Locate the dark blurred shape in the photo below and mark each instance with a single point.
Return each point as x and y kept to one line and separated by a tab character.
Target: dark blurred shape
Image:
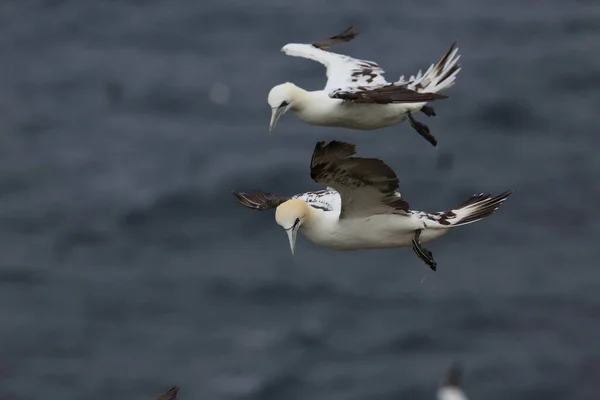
454	376
346	36
114	93
170	394
507	115
445	161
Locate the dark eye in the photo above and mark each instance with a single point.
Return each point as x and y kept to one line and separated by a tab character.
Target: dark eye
297	221
284	104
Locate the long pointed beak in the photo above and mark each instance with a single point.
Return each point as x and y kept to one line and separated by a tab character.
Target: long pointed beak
292	233
275	114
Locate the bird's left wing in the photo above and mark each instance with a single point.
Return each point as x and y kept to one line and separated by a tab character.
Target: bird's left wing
326	200
367	186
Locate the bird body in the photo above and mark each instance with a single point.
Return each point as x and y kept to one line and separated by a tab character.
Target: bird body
362	208
318	109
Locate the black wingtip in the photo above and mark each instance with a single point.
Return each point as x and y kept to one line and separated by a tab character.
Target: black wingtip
259	200
170	394
454	375
346	36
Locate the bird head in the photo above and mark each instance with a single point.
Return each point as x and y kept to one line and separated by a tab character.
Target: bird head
290	216
281	99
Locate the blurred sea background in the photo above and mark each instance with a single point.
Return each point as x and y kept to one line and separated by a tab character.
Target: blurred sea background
126	266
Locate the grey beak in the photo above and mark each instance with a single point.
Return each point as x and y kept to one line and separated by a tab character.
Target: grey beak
292	234
276	113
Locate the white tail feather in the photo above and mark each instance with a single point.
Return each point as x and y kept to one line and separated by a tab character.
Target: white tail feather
474	209
439	76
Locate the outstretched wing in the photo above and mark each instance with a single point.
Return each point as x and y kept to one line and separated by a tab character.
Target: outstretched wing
325	200
367	186
342	71
353	79
259	200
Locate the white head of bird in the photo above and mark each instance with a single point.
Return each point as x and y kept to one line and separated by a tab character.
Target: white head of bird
281	99
290	216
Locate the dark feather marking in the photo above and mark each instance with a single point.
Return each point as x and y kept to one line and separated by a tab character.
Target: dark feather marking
454	376
387	94
170	394
346	36
259	200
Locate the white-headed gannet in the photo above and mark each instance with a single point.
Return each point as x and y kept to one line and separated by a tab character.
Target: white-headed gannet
361	208
356	95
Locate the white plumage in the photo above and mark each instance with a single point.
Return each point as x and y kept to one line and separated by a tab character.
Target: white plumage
356	94
362	208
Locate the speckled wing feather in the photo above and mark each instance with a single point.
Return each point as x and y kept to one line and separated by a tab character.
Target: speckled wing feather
385	94
325	200
343	72
367	186
170	394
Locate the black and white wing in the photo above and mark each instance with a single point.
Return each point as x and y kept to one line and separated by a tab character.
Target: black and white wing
439	76
354	79
367	186
325	200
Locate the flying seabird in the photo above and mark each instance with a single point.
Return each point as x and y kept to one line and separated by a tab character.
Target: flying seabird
356	95
361	207
451	387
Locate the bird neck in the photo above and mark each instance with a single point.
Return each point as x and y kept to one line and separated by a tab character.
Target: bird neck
312	217
300	97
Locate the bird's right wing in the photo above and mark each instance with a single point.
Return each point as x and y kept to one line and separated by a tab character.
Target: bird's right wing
259	200
342	71
367	186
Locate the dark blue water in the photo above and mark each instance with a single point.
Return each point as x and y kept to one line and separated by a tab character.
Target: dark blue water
126	266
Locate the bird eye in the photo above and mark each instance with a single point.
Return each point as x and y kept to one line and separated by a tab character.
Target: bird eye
284	104
297	221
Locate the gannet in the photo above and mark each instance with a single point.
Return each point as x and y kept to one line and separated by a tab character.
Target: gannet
356	95
451	387
361	207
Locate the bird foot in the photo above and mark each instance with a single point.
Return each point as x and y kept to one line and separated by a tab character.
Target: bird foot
422	129
429	111
423	253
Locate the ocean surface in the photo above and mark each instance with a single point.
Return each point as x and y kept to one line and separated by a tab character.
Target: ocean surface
126	265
